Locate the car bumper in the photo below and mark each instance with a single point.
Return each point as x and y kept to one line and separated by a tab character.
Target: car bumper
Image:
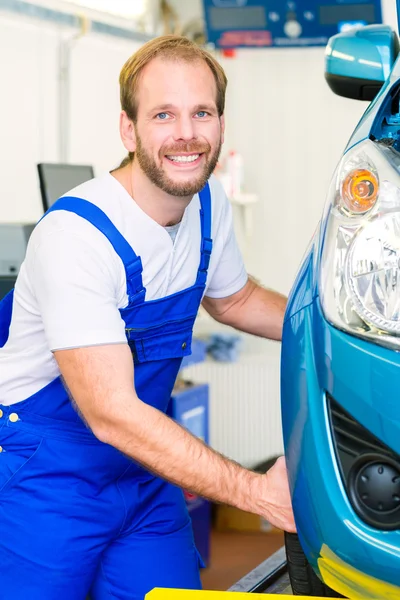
318	359
351	582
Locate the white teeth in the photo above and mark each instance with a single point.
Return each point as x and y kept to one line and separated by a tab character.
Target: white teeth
185	159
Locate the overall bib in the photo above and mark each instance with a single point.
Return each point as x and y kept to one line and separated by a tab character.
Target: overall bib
76	515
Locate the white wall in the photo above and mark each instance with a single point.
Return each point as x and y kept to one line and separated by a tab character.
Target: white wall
291	130
29	107
281	115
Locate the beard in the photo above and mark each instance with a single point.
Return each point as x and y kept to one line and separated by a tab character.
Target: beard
158	176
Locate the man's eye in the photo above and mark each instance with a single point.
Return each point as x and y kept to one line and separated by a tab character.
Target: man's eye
162	116
202	114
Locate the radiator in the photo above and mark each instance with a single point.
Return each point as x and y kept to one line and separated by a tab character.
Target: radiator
245	421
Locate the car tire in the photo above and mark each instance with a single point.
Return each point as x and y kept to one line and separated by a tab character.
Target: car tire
302	577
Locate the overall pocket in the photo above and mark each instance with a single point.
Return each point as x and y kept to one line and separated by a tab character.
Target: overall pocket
17	448
161	345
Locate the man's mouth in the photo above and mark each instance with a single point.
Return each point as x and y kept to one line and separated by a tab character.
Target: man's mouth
183	159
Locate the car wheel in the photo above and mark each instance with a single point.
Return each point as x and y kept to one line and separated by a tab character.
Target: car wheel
303	580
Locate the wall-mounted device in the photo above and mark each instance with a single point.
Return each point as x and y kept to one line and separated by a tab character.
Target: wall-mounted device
13	242
55	180
282	23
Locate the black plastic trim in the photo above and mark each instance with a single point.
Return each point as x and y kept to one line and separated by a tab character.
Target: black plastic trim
357	449
352	87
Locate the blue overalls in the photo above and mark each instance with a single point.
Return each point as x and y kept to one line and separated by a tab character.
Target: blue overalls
76	515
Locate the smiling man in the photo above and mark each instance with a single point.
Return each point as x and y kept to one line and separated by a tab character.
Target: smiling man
101	317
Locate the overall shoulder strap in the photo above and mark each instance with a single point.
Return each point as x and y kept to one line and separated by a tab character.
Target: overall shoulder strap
92	213
206	241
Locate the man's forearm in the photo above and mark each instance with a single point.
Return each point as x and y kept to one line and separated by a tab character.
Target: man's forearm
259	311
100	381
165	448
158	443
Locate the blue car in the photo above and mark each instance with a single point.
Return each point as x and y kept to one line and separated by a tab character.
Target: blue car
340	377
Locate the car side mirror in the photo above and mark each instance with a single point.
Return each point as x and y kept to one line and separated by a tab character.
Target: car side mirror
359	61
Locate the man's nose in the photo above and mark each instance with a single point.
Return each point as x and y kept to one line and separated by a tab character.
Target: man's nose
184	129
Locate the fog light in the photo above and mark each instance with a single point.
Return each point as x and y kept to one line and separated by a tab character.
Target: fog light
374	486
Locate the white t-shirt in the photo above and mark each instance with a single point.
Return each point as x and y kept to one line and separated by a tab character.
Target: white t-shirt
72	282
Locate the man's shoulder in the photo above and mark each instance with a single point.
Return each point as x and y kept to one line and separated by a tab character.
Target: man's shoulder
96	190
100	192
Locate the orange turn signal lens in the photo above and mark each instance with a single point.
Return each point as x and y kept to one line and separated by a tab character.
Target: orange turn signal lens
360	191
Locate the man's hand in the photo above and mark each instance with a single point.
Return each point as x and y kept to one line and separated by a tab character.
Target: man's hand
274	497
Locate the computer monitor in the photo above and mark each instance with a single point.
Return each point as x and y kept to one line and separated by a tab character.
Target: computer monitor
56	179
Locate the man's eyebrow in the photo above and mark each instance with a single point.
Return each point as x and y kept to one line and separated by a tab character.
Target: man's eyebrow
162	107
207	107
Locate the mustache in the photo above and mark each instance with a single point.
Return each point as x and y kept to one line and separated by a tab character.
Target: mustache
187	148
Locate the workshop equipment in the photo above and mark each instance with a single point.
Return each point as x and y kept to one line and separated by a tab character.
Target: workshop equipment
200	595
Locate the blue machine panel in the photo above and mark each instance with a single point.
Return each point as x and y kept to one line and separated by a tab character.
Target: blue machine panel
282	23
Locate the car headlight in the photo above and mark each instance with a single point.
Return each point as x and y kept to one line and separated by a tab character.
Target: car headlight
359	281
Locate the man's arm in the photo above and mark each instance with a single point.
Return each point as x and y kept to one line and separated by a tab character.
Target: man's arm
100	380
253	309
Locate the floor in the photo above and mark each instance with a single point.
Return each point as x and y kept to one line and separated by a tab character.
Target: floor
233	555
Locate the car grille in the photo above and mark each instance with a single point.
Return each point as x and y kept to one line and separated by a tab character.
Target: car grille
351	438
370	470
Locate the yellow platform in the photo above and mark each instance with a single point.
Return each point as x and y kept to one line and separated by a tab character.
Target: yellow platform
159	594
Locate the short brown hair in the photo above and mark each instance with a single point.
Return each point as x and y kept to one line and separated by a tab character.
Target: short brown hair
172	47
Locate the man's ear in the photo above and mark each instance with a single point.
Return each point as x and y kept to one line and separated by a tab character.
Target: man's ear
222	121
127	132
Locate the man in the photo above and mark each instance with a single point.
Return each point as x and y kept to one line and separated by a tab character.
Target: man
93	339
